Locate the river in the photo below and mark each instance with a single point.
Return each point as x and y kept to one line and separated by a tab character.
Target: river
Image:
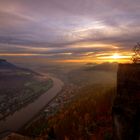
17	120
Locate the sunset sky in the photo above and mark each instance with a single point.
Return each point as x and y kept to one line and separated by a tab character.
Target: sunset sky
69	30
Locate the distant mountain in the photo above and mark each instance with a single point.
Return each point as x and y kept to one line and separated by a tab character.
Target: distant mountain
104	67
6	65
91	64
93	74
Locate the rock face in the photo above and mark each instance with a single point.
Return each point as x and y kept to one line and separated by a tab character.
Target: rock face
126	108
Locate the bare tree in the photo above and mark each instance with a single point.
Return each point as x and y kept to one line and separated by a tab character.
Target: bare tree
136	56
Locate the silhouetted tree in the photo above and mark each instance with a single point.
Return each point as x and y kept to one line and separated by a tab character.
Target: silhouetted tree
136	56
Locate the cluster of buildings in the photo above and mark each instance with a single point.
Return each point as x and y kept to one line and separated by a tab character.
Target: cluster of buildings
64	97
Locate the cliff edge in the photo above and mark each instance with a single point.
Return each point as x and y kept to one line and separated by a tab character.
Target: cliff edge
126	107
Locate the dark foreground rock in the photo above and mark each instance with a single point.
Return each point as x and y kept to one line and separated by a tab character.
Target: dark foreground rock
126	108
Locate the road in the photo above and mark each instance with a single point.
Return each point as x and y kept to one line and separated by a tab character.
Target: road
17	120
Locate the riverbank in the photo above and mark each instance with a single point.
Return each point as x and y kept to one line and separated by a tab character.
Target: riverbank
17	120
30	94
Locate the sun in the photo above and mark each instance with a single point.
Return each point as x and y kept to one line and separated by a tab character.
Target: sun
116	56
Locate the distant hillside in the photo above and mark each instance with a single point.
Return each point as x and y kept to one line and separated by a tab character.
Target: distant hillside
94	74
91	64
6	65
104	67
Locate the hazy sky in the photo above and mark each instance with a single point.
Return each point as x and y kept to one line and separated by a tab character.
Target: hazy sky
68	29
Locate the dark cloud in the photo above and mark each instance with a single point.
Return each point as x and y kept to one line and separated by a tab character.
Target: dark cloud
58	26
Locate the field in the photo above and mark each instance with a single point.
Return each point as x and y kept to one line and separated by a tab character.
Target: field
18	87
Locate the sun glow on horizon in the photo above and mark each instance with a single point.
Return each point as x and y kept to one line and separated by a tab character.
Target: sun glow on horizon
116	56
91	56
121	57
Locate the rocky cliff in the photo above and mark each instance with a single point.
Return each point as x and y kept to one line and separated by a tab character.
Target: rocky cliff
126	108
